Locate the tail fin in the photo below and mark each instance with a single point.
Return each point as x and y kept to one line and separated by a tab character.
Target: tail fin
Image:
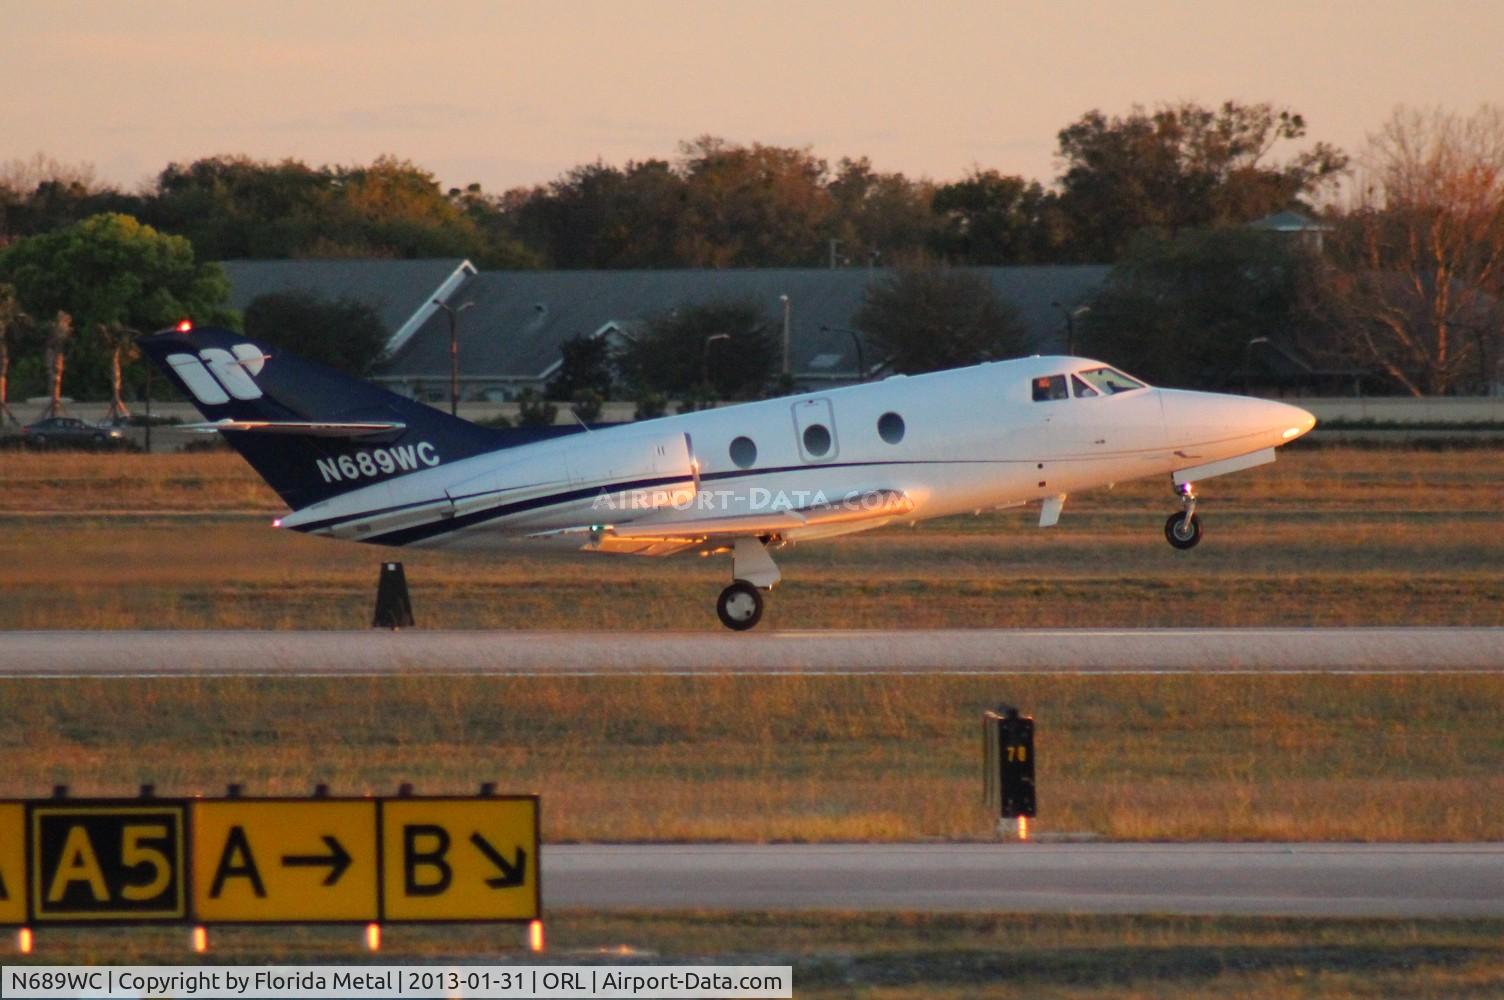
310	431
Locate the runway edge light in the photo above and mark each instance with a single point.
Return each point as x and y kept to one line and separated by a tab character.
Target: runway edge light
535	937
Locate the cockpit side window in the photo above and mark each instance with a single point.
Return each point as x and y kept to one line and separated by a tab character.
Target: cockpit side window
1082	390
1109	381
1047	387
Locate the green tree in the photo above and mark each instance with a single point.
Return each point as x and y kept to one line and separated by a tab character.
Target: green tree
585	365
113	274
878	217
344	333
234	207
1181	311
40	194
991	219
677	355
600	216
1181	166
753	206
924	317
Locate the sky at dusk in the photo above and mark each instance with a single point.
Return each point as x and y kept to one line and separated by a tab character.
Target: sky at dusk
512	94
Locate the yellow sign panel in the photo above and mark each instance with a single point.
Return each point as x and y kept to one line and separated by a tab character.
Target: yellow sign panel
12	863
460	859
303	860
105	861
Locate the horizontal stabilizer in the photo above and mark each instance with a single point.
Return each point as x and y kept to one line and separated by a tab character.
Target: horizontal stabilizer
303	428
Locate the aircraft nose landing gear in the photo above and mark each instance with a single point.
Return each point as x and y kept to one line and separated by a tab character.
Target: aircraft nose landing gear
1183	530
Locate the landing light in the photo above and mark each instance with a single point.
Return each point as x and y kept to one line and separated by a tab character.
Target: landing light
1291	432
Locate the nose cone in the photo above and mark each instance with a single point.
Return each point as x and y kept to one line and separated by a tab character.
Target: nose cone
1221	421
1295	420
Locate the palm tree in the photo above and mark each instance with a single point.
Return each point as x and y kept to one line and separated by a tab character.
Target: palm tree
59	333
10	315
121	340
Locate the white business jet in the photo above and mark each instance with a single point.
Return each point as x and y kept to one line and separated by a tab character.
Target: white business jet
356	462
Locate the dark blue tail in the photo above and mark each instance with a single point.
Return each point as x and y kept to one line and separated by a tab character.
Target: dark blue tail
313	432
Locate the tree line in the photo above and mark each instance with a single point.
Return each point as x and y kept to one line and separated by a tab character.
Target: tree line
1401	283
721	204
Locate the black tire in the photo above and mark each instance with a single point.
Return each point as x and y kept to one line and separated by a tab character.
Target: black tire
740	606
40	440
1176	534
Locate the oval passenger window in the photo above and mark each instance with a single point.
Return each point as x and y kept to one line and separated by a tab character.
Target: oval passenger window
816	439
744	452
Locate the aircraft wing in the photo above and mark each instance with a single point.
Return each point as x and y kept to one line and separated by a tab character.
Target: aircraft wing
667	532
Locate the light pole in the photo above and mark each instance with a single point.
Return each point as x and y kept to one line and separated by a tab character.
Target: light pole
705	359
856	341
1071	315
454	352
785	300
1248	362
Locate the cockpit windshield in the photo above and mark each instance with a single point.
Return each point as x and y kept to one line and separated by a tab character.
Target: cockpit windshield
1108	381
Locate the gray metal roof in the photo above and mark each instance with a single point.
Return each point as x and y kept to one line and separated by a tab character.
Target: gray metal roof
1289	221
521	317
396	289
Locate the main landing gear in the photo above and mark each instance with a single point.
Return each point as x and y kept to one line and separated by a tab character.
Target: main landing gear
740	605
1183	530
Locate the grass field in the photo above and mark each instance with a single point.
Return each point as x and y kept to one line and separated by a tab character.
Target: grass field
807	759
901	956
1326	536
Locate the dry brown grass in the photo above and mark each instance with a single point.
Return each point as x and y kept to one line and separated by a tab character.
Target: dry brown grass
1325	537
808	758
124	481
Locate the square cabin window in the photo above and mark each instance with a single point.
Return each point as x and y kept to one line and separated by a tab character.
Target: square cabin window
1047	387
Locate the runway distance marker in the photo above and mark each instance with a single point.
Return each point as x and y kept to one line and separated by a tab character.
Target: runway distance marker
457	859
285	860
12	863
100	861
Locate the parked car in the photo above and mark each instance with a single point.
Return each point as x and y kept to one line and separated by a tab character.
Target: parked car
71	430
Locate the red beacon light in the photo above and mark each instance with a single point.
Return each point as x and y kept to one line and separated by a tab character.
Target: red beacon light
185	326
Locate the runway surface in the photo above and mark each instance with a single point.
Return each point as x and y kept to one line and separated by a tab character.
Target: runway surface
1329	880
979	651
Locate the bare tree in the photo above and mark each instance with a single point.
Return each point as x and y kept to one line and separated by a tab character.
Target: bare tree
59	334
1415	269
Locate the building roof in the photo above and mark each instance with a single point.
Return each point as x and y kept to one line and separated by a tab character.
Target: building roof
1289	221
396	289
520	318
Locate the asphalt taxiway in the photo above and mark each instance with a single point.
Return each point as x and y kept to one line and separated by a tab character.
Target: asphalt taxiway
1313	880
954	651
